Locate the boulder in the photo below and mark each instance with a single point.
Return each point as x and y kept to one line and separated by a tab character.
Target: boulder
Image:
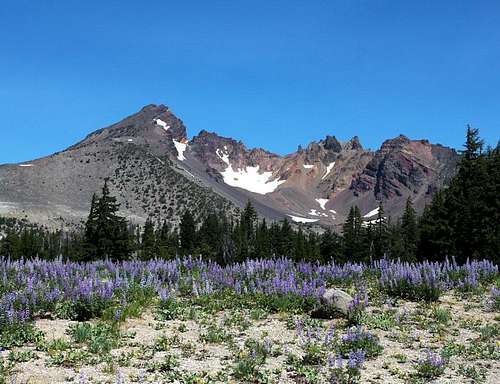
333	301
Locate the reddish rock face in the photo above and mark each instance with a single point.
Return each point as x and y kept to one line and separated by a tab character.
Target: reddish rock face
404	167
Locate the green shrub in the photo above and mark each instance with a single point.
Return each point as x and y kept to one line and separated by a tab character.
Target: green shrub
18	335
100	338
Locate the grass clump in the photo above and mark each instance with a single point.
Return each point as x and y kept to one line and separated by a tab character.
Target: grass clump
215	335
19	335
100	338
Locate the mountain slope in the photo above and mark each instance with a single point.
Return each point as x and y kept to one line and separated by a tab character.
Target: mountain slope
155	171
137	155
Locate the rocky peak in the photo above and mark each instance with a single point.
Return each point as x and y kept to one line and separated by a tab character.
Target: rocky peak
152	125
395	143
404	167
332	144
353	144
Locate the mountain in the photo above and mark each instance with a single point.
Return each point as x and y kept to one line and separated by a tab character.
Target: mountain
154	170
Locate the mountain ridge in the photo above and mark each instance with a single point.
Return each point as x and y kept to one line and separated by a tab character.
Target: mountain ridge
150	160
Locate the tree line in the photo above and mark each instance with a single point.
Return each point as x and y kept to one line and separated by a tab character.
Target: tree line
463	220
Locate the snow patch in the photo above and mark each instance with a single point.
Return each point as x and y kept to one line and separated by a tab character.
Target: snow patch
130	140
25	165
298	219
162	124
223	156
250	179
322	203
370	222
372	213
314	212
328	169
333	211
181	147
308	166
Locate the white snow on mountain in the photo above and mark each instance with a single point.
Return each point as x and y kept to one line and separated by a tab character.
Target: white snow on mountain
223	156
25	165
322	202
367	223
328	169
314	212
371	213
298	219
181	147
162	124
308	166
333	211
250	179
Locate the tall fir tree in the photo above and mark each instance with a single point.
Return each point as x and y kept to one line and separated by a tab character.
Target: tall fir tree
353	235
187	233
106	233
148	241
409	232
380	235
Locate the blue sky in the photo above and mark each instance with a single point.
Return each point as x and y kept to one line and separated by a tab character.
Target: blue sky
274	74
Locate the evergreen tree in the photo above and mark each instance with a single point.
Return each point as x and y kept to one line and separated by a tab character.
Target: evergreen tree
167	242
148	241
331	247
285	239
263	241
187	233
106	233
435	231
353	235
381	241
409	232
209	237
462	220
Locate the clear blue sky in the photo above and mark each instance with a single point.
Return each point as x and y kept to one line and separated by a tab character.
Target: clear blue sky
274	74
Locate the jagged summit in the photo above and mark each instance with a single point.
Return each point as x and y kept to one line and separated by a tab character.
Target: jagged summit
155	171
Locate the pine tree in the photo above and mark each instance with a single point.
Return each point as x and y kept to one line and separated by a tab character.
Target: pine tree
285	239
409	232
331	247
353	235
106	233
148	241
435	231
380	243
263	241
167	242
187	233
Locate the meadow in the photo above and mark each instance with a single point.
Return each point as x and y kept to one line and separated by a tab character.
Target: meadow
193	321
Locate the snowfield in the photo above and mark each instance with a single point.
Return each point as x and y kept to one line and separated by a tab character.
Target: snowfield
372	213
181	147
299	219
248	178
